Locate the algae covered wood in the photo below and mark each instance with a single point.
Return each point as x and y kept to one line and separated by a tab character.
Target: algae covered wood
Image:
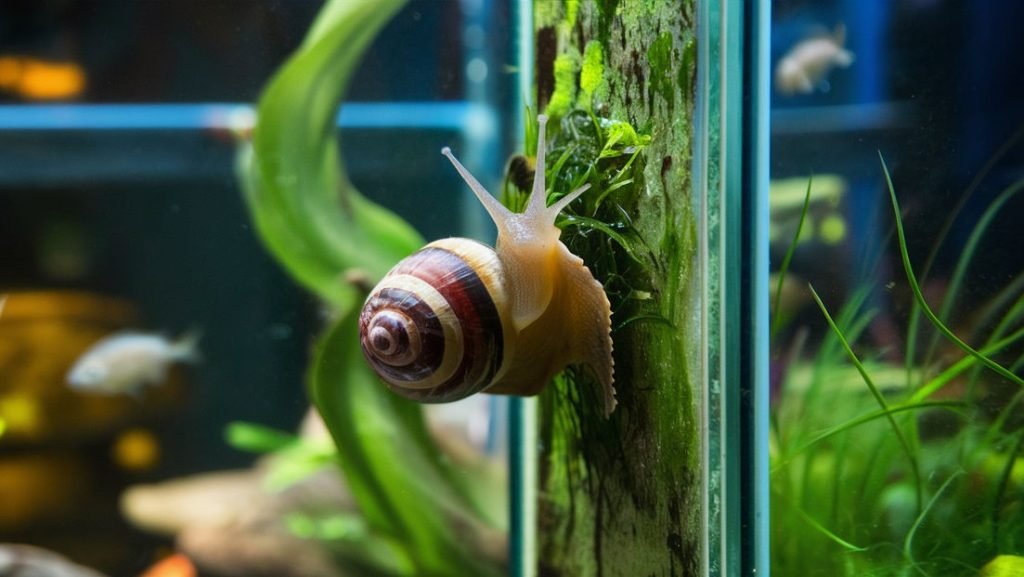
623	496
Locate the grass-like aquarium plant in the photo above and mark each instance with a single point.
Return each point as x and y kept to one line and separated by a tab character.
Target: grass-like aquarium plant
883	467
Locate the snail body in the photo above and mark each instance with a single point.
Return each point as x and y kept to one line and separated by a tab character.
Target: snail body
457	317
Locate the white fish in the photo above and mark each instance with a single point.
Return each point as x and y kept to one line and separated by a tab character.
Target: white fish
124	362
807	64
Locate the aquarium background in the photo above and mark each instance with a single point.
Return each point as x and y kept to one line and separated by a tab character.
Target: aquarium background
117	181
934	88
937	91
119	207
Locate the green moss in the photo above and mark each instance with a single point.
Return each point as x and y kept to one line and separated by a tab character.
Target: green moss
659	57
608	8
637	232
572	7
566	67
593	86
547	14
688	65
609	155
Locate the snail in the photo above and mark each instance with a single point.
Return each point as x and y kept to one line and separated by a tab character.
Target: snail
458	317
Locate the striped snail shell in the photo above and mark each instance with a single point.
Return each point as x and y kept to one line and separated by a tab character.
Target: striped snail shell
457	317
432	329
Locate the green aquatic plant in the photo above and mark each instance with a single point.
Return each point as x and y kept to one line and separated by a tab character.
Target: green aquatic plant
295	458
883	470
923	304
307	212
606	154
913	325
429	516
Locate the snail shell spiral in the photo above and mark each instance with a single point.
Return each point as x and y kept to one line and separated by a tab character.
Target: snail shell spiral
458	317
433	329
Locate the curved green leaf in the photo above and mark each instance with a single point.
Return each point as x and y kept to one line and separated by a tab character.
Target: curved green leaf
320	228
307	212
919	296
404	485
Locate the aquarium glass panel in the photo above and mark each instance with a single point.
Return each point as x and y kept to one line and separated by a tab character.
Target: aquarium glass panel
672	482
897	288
731	162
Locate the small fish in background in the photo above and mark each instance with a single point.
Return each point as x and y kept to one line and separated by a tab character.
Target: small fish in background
125	362
806	65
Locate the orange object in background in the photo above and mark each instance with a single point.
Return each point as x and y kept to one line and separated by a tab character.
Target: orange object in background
176	565
35	79
136	449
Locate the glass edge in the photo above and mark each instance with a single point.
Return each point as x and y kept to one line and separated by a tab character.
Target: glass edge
705	170
730	173
736	508
522	416
756	514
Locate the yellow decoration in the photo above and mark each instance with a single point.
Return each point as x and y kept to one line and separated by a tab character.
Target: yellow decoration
832	229
20	414
136	450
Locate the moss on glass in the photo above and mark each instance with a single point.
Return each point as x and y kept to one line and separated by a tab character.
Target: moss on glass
623	496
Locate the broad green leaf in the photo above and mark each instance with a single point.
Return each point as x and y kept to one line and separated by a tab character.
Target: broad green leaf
320	228
307	212
288	243
402	482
